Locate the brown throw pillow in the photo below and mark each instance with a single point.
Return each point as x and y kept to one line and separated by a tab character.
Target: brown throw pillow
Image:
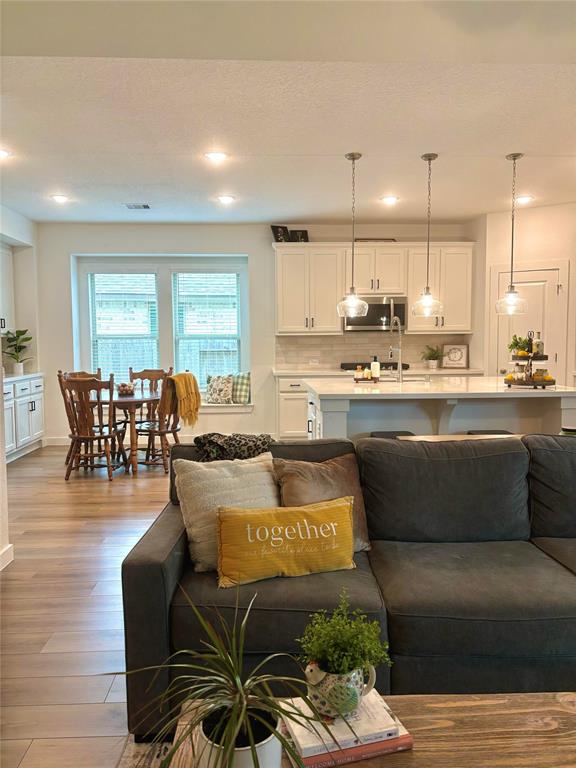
308	482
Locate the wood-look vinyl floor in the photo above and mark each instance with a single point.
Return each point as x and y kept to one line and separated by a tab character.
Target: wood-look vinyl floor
62	692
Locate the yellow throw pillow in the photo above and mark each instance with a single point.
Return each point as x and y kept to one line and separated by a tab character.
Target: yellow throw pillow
255	544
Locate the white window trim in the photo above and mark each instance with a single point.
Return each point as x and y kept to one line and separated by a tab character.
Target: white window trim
163	267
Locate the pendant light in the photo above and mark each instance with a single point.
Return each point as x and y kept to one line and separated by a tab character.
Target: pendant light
352	305
427	305
512	303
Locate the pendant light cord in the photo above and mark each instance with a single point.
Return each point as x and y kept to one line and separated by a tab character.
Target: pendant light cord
428	226
353	216
513	216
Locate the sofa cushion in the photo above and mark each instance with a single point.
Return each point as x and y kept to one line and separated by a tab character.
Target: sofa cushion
473	490
282	607
561	549
307	482
498	598
552	480
302	450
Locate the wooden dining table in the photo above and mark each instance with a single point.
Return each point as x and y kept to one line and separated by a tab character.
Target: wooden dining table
130	404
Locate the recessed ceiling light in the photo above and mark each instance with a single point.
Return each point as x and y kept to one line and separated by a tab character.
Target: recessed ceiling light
389	199
524	199
60	199
226	199
4	153
216	157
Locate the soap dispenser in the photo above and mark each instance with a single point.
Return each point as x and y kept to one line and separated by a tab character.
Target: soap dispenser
375	369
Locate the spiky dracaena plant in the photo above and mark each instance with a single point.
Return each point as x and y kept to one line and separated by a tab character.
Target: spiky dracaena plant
210	683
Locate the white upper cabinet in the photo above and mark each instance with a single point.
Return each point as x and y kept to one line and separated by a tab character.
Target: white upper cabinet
309	285
450	281
378	270
7	321
292	291
456	289
326	271
417	283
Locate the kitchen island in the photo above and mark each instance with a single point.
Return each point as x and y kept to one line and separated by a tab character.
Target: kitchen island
443	405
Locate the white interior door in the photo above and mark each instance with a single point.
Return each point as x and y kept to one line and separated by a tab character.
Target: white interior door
547	312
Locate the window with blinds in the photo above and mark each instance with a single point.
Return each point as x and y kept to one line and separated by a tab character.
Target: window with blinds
123	322
206	309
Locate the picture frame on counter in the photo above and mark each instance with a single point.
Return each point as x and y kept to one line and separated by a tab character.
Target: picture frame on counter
455	356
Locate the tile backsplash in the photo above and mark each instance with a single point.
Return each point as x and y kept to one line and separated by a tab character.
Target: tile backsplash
329	351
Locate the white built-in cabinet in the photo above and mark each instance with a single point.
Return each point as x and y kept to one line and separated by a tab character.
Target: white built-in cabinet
450	280
7	321
23	413
311	279
309	284
378	270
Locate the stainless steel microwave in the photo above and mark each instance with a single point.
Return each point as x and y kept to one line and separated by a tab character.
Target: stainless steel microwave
381	310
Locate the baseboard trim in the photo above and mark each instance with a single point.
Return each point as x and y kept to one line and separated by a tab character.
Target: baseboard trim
6	556
19	452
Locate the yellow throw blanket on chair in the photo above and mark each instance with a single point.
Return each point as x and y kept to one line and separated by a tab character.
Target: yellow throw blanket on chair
188	396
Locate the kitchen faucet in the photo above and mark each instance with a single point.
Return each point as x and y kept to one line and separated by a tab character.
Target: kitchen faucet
395	323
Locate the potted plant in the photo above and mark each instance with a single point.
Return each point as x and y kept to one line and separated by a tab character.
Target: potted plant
16	345
519	346
432	355
232	718
339	649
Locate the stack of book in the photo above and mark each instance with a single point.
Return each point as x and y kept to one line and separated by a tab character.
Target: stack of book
373	730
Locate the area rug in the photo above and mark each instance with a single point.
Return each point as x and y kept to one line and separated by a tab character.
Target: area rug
142	755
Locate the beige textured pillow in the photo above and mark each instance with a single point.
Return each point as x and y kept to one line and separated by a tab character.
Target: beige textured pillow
308	482
203	487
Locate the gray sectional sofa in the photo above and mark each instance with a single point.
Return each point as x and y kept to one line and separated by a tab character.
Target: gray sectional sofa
472	572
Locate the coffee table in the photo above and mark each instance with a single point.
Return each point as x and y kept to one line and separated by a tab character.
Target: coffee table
522	730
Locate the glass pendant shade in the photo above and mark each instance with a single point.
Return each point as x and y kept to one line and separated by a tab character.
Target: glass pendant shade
352	305
511	303
427	305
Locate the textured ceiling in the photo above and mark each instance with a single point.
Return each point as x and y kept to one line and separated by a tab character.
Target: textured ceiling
109	131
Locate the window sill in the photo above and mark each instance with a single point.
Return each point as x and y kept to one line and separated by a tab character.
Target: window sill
223	408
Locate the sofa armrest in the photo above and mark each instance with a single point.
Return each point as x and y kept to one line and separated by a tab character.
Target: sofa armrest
150	576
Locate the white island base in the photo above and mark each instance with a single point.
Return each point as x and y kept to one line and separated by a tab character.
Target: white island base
446	405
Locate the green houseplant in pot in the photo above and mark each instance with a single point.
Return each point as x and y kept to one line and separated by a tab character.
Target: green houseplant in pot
432	355
16	344
231	717
339	650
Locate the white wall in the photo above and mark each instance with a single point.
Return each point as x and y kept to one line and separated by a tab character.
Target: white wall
58	242
542	234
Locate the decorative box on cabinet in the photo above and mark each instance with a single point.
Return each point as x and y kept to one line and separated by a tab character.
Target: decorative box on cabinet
23	414
309	285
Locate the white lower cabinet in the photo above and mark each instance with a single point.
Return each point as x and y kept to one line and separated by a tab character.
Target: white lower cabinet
292	415
9	427
23	414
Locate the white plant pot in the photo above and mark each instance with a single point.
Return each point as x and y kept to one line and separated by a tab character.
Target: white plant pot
269	753
17	369
433	364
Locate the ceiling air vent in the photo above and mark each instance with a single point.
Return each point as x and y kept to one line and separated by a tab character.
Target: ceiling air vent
138	206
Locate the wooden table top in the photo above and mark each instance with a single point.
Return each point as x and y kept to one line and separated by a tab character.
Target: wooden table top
138	398
522	730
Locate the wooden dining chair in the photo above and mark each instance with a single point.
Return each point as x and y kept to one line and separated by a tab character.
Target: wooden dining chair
120	424
165	422
91	422
148	380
